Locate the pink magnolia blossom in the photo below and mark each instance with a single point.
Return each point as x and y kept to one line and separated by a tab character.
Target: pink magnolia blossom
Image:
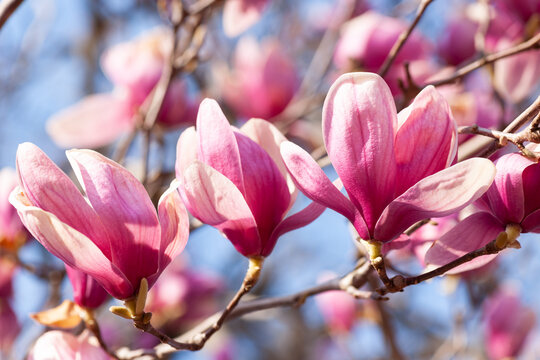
12	232
239	15
517	76
60	345
507	323
7	270
513	198
507	20
235	180
522	9
134	68
86	291
10	327
338	309
114	234
263	81
393	166
457	43
183	296
367	39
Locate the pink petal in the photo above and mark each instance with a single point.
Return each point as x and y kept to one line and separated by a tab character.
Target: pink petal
359	123
313	182
95	121
71	246
177	108
216	201
137	64
57	345
531	180
531	223
437	195
48	188
10	327
505	196
239	15
426	139
470	234
124	208
186	150
87	292
269	138
300	219
174	222
266	190
10	224
517	76
217	144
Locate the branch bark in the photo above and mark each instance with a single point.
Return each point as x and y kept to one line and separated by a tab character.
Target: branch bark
7	8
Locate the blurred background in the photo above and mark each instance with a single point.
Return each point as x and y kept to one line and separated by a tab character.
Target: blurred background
55	53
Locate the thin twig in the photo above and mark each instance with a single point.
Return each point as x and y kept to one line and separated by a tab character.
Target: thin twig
198	340
531	133
398	283
531	44
387	327
355	279
403	38
7	8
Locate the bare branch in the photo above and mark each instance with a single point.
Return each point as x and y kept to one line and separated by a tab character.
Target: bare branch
531	44
7	8
531	133
403	38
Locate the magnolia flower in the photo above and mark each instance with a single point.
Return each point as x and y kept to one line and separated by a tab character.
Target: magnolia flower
86	291
517	76
183	296
7	270
12	232
456	43
366	40
512	200
10	327
262	73
113	234
235	180
134	68
393	166
239	15
338	309
507	323
522	9
60	345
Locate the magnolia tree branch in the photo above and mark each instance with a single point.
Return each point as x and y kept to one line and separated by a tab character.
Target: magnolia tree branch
531	44
350	283
530	133
7	8
398	283
392	55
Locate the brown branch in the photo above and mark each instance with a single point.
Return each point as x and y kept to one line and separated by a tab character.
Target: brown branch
531	133
398	283
403	38
531	44
7	8
387	327
353	280
198	340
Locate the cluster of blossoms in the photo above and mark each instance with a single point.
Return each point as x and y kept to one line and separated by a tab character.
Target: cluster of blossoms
396	169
